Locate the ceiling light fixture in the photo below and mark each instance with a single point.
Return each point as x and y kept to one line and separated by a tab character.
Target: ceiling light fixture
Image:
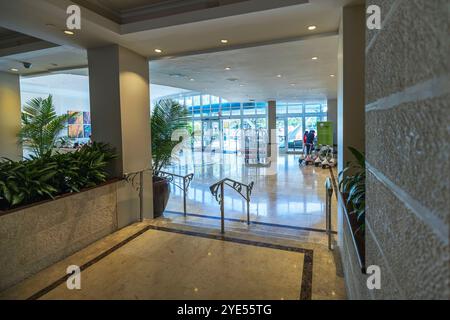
279	75
14	69
191	79
158	50
224	41
69	33
228	68
311	28
292	84
332	75
315	58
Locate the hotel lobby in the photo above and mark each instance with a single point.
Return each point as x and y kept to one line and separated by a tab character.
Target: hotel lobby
224	150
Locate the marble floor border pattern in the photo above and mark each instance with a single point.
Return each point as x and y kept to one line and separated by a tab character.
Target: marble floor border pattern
252	222
307	273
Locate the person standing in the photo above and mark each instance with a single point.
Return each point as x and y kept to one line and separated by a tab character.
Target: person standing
310	141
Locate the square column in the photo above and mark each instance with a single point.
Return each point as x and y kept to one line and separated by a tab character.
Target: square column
10	110
120	112
271	124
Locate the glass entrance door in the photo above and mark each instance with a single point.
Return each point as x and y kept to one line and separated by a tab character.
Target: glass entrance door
295	134
231	135
281	134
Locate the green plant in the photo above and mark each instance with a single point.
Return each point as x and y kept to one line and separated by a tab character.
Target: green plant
40	178
41	125
352	183
168	116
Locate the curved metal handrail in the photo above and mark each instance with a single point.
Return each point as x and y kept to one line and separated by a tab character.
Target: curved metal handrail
217	190
186	182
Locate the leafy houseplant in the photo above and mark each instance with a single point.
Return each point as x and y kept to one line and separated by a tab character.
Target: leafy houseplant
353	186
40	178
41	125
167	116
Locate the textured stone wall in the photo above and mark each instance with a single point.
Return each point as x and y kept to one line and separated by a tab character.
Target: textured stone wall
36	237
407	148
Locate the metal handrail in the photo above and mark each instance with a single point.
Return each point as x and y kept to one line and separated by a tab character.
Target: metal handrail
329	194
187	179
131	178
217	190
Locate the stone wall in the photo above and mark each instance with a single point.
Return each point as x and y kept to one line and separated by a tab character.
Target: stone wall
34	238
407	148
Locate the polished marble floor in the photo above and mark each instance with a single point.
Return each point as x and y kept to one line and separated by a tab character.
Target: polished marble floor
294	196
153	260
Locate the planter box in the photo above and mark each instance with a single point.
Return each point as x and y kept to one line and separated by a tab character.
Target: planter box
35	237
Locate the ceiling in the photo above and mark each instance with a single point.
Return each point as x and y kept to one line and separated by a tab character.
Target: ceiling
254	72
137	10
189	40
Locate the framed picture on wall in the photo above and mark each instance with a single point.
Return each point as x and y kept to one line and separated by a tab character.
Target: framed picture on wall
80	125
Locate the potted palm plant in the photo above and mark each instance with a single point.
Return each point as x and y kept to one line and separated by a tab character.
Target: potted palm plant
167	116
41	125
352	184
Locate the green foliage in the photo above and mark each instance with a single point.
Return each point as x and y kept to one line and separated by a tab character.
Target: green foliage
41	125
352	182
40	178
168	116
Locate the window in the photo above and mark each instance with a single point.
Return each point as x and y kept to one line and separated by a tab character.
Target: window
249	108
236	109
206	99
188	101
281	108
261	107
196	100
312	108
295	108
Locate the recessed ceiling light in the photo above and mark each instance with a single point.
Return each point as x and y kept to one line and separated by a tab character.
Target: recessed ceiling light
312	28
241	85
158	50
279	75
228	68
292	84
314	58
332	75
224	41
69	33
191	79
14	69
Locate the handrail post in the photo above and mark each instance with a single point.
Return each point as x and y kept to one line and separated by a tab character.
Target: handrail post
329	193
248	207
222	208
141	196
184	196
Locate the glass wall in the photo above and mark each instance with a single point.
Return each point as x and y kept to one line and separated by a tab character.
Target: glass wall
294	118
218	123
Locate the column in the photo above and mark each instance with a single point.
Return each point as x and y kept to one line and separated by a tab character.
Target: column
120	112
351	88
271	124
10	109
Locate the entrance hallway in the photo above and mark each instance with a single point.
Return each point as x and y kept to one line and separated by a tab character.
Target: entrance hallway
288	203
152	260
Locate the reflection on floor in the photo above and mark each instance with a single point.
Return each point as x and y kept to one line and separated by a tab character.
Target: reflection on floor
154	260
293	197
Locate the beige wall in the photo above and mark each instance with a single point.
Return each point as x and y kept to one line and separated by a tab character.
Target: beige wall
407	139
120	111
332	116
407	144
9	116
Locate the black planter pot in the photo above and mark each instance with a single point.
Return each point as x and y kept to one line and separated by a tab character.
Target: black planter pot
161	193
